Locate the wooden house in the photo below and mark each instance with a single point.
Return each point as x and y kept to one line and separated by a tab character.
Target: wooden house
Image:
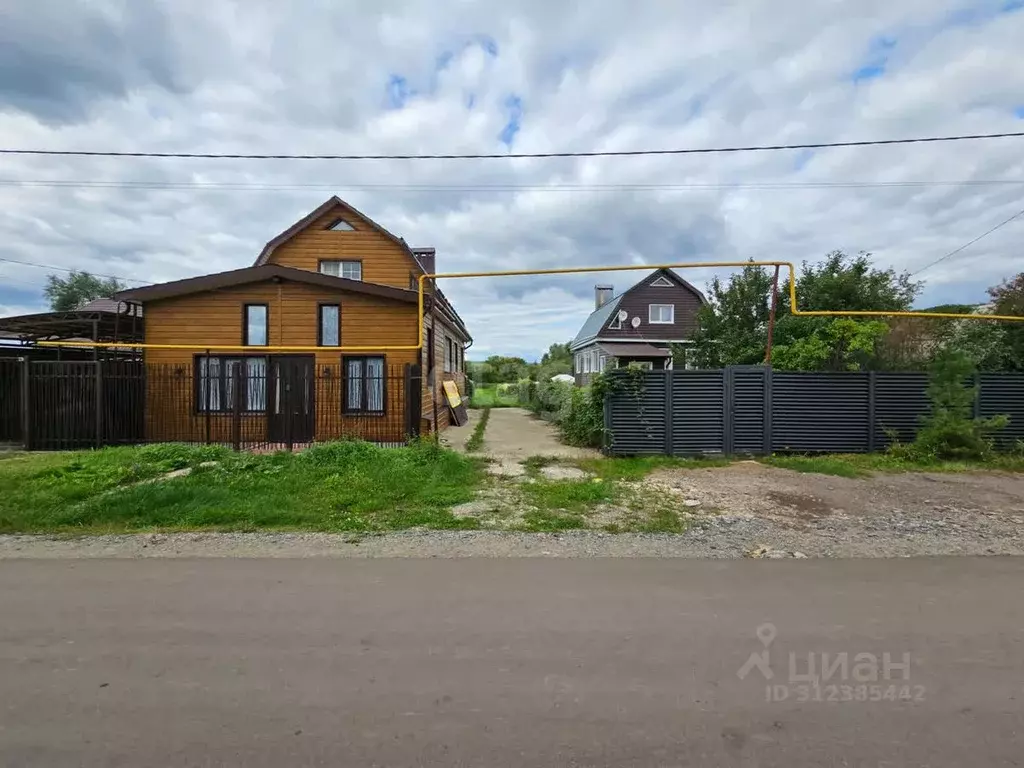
333	279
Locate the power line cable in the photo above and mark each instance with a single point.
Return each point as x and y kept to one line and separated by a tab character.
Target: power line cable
639	186
1000	225
514	155
65	269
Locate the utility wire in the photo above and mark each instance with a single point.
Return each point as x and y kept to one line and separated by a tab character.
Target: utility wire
65	269
516	155
470	187
1000	225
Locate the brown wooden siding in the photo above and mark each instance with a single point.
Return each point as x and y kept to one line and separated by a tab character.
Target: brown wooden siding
433	383
384	261
215	317
636	301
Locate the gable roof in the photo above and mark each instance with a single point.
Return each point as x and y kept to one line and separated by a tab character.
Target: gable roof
258	274
315	214
592	325
596	321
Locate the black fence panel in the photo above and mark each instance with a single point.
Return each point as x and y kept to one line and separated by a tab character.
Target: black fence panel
746	392
636	412
698	412
826	412
254	402
1003	394
11	385
900	400
754	410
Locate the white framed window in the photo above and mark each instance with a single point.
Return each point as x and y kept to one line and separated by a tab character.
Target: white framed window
577	360
616	322
661	314
350	270
662	282
600	364
340	225
586	362
595	356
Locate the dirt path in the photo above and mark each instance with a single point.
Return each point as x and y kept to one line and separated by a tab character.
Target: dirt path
514	434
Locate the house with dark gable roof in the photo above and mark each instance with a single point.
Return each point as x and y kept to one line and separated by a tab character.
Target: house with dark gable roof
636	327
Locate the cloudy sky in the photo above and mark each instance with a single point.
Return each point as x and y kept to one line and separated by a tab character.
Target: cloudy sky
458	76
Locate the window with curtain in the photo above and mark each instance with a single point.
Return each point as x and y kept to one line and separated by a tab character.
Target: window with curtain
215	378
255	325
329	332
365	385
350	270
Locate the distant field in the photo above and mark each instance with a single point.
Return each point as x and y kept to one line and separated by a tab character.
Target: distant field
486	396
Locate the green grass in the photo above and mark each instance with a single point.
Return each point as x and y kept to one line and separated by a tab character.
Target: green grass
863	465
476	440
549	521
486	396
344	486
636	468
569	495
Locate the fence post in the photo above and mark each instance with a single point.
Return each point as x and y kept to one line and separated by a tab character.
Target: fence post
872	381
99	402
289	377
26	410
204	394
766	427
668	411
236	407
413	384
727	407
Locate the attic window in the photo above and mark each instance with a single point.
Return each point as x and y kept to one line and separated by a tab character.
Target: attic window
340	225
662	282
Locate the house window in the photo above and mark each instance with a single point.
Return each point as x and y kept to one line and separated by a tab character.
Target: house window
350	270
431	352
616	323
662	282
216	379
414	284
600	364
340	225
329	325
365	390
663	314
594	358
255	325
586	362
447	355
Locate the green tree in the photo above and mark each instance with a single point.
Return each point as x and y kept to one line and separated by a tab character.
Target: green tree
732	329
78	288
558	359
1008	299
840	282
500	369
950	430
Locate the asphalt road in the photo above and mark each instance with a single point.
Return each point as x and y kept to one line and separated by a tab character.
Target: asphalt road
481	662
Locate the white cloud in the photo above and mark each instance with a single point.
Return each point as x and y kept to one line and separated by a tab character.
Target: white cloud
304	77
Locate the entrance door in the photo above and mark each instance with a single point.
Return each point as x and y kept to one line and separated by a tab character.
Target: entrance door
292	399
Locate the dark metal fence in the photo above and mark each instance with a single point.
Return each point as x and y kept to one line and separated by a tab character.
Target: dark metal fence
754	410
248	403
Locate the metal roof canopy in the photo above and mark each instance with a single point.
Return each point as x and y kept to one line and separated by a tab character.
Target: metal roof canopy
96	320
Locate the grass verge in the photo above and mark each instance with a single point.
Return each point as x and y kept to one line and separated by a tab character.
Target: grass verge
344	486
476	440
863	465
637	468
487	396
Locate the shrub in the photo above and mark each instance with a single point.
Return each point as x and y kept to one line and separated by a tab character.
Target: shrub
582	421
950	431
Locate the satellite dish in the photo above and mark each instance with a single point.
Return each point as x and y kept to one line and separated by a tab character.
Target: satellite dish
623	314
635	322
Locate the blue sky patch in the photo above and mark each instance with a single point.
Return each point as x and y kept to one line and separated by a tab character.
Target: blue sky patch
1012	5
489	44
399	91
470	100
803	157
1019	112
876	60
514	105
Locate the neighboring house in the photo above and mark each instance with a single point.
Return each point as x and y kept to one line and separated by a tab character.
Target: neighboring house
334	278
637	327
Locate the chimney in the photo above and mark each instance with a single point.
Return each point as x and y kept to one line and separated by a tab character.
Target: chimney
602	295
428	258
